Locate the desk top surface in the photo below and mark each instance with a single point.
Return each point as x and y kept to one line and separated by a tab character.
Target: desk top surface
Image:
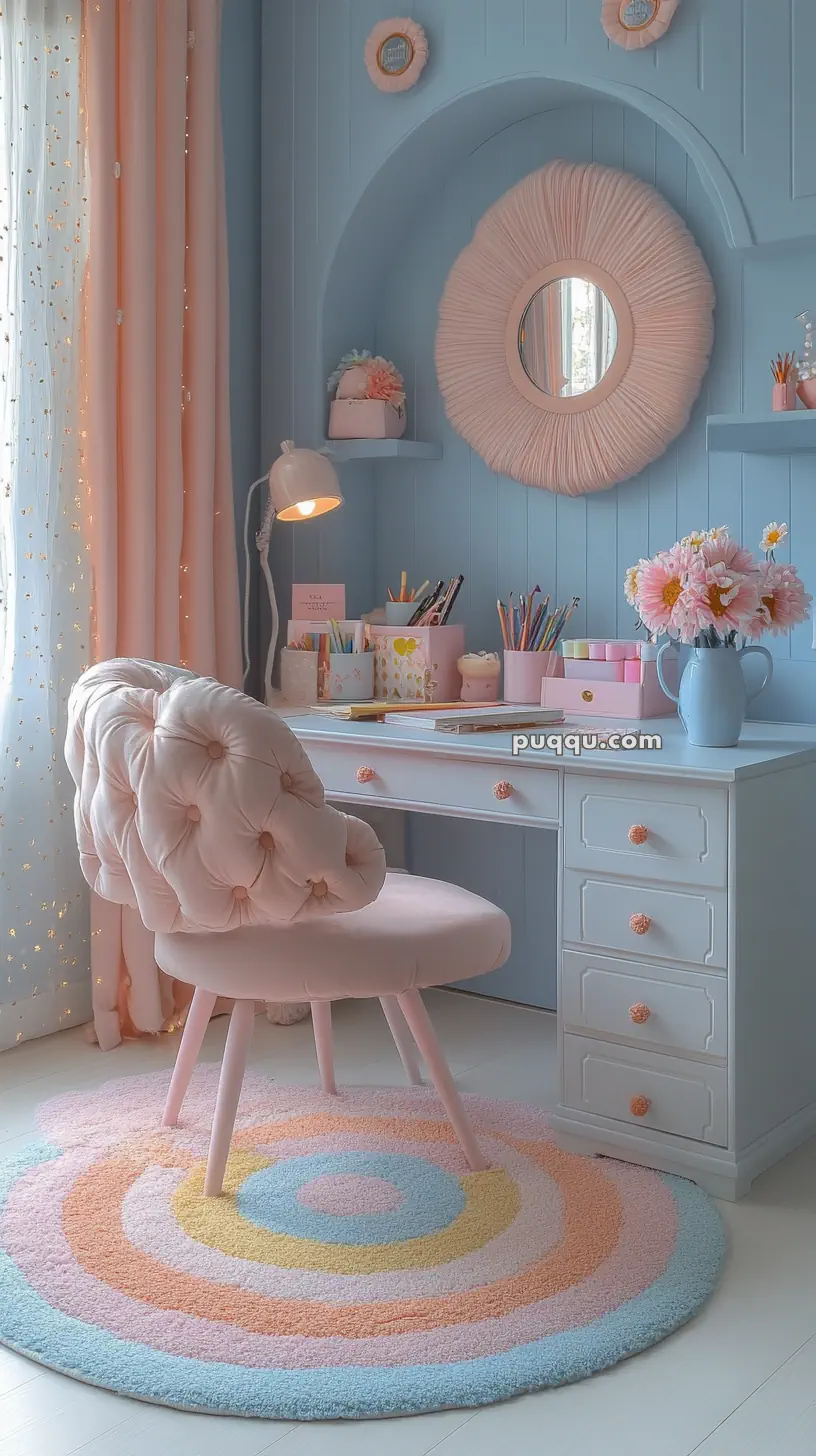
763	747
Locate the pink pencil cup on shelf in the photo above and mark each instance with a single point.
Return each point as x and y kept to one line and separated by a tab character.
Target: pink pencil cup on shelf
525	671
783	396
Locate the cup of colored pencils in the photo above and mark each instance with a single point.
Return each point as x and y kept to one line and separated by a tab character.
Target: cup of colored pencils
530	633
783	396
401	606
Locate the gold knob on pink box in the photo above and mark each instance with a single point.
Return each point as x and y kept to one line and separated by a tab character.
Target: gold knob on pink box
640	923
638	834
639	1105
639	1013
365	774
502	789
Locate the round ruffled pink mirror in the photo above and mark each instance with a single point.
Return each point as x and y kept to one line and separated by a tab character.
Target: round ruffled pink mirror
575	329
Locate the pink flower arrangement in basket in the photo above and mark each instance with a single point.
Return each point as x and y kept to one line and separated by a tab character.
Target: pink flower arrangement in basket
708	589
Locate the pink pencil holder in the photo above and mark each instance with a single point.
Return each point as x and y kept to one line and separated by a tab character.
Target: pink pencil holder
783	396
525	671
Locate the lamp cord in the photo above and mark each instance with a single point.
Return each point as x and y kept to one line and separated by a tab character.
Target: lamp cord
262	544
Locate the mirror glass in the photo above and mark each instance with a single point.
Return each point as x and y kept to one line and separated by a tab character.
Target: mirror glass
635	14
396	54
568	337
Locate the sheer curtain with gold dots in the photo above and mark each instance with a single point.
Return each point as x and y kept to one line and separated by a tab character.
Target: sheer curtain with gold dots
44	574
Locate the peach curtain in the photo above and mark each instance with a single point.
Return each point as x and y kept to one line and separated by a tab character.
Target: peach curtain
162	526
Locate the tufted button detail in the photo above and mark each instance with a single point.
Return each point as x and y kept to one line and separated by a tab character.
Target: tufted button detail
266	841
134	799
286	781
194	814
320	889
215	750
241	892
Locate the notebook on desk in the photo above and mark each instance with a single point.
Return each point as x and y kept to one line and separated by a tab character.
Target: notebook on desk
499	717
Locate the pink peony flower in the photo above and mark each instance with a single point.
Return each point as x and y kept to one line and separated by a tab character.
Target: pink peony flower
783	601
660	585
384	381
728	552
720	597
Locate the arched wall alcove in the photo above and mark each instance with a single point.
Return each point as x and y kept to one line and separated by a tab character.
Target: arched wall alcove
397	193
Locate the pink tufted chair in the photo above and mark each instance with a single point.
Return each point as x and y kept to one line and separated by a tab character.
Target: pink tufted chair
197	806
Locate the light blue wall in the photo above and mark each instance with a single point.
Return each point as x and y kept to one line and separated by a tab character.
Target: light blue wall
367	200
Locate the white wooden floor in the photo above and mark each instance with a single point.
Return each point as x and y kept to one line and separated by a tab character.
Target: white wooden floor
739	1381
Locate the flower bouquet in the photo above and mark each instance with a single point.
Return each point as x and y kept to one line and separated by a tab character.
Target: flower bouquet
706	592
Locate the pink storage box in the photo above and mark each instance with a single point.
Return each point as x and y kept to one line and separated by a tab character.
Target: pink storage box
590	698
365	419
595	669
417	664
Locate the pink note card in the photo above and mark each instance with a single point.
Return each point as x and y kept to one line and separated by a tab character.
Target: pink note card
317	602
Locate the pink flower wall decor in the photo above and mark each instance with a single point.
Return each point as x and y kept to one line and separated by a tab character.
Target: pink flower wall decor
637	23
395	54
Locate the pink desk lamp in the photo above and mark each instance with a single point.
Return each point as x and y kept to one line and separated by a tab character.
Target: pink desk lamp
303	484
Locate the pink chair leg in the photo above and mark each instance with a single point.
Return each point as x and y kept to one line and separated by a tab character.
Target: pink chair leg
402	1039
230	1083
321	1021
198	1019
413	1009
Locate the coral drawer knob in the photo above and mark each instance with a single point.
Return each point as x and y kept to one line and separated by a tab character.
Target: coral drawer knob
639	1013
502	789
639	1105
638	834
640	923
365	774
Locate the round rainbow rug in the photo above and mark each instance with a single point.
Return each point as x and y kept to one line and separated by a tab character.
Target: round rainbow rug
353	1266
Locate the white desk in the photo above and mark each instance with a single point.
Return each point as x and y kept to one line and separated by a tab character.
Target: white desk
687	976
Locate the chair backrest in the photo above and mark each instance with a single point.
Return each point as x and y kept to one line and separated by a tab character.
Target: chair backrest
196	805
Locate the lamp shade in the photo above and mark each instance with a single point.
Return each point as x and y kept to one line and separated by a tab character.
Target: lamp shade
303	484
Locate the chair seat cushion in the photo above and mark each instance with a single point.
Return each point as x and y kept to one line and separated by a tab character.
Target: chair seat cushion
417	933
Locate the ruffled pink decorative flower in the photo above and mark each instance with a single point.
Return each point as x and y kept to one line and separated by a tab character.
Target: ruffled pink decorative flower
384	381
783	601
720	597
660	585
728	552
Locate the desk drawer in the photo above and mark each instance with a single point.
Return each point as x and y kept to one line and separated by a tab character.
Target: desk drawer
688	1099
674	1010
674	925
685	830
418	780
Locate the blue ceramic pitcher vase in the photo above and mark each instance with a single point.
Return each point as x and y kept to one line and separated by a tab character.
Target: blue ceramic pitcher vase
713	698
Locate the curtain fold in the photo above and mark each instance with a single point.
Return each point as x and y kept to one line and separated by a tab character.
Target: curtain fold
163	538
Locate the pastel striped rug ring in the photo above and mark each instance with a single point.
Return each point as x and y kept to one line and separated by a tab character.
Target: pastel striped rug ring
353	1266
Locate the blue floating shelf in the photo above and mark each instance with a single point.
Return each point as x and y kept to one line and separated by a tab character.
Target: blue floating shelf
341	450
786	433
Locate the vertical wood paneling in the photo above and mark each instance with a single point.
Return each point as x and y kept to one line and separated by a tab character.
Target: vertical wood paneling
767	80
803	97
